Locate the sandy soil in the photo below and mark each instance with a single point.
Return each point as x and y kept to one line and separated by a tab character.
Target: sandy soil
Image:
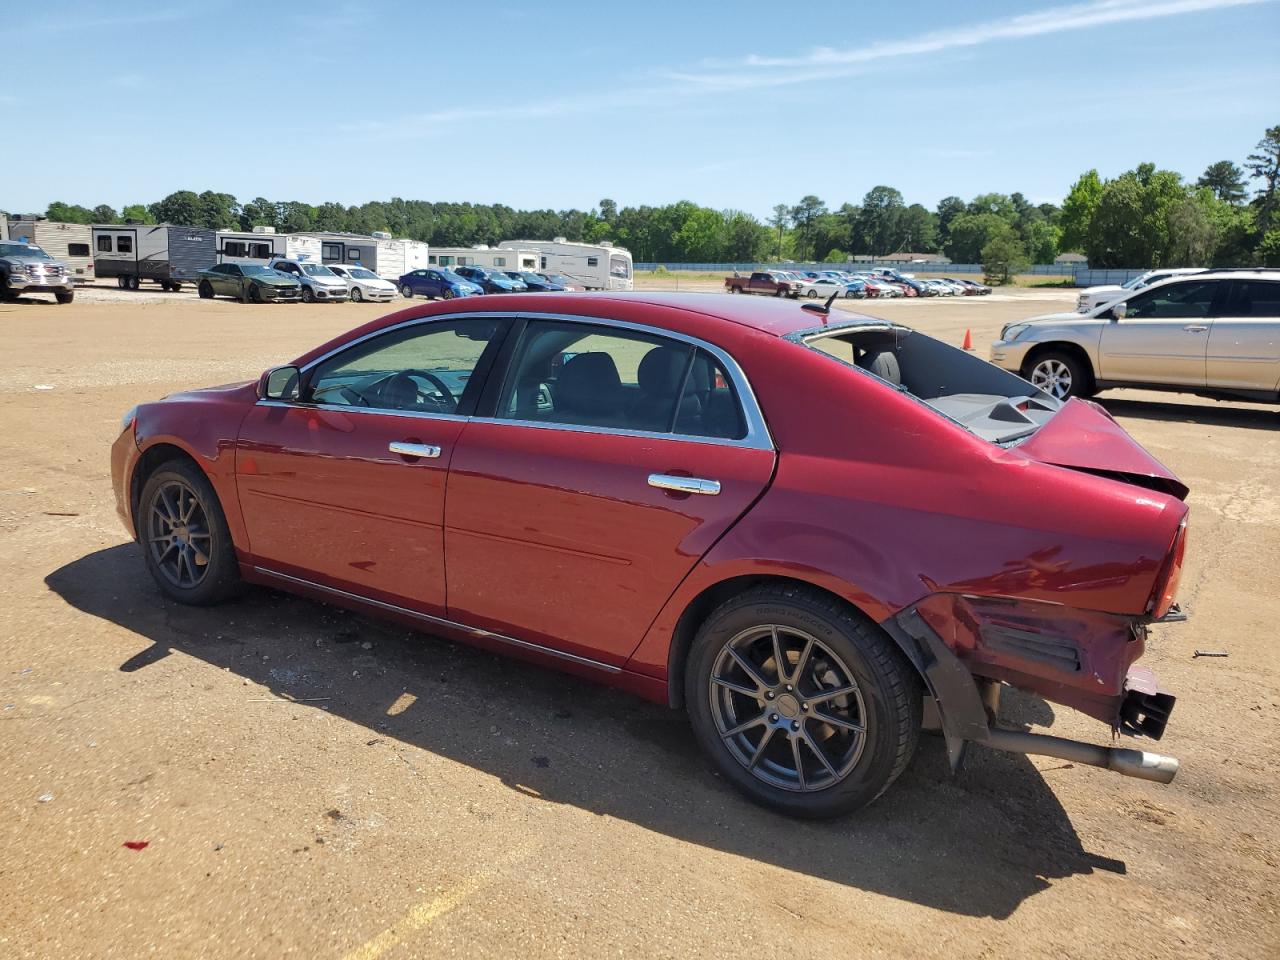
425	799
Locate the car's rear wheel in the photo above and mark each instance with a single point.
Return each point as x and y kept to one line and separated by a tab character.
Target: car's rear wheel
1059	374
407	292
802	704
184	536
357	294
205	290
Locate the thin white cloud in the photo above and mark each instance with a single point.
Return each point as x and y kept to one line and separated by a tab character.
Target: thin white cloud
827	62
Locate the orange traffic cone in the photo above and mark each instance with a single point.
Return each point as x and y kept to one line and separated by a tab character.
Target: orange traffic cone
968	341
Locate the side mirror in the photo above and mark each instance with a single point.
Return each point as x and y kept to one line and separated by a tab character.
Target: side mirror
279	383
1118	311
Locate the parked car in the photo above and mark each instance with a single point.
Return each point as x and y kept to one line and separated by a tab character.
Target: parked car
436	282
971	287
1215	333
569	286
491	281
1091	298
824	287
363	284
535	282
768	282
801	596
25	268
318	281
247	282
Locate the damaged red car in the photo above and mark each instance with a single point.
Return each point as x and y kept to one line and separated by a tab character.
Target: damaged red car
814	532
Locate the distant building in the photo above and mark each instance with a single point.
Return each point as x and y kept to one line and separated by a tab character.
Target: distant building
1070	258
915	258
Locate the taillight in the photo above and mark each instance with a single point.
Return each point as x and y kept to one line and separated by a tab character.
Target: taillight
1166	587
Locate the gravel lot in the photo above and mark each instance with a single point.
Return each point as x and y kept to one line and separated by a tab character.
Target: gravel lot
421	799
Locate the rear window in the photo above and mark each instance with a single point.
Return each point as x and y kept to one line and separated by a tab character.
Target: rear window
987	401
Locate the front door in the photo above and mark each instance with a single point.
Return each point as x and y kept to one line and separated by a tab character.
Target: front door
614	460
1244	346
346	487
1164	335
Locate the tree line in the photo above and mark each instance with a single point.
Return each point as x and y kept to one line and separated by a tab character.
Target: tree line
1144	217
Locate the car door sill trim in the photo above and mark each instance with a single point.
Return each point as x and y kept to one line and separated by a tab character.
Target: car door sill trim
439	621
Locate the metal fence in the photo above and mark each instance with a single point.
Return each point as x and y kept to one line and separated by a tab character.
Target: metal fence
928	266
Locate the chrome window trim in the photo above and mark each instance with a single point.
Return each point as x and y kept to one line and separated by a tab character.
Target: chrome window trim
343	408
439	621
758	436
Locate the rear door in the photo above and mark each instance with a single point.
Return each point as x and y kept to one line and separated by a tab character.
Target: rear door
1164	335
614	457
1244	345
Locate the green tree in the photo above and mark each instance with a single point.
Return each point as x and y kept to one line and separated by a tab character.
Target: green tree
60	212
1130	226
1003	255
948	209
1077	212
780	220
1225	179
137	213
881	222
608	210
970	233
804	217
1269	249
105	214
182	207
1194	227
1264	165
920	230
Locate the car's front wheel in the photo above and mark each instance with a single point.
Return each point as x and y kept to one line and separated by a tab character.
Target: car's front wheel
1059	374
407	292
308	295
357	294
184	536
801	703
205	289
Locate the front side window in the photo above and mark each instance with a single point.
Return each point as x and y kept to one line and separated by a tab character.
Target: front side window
1174	301
124	244
104	243
597	376
423	368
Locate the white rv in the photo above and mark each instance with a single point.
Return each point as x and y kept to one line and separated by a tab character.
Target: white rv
169	255
495	258
68	242
599	266
262	243
386	256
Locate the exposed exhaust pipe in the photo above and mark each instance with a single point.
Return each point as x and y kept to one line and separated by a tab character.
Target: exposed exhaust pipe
1130	763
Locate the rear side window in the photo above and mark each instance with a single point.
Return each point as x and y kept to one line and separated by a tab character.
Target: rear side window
1254	298
599	376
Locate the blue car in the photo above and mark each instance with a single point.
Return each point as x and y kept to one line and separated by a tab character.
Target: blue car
535	283
492	281
435	282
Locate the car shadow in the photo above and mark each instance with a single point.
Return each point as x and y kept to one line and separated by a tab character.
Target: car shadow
1261	417
978	844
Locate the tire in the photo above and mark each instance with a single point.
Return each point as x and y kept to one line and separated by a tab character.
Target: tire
122	283
65	297
754	732
175	286
255	293
1059	374
134	282
308	295
172	551
357	295
813	294
446	293
407	292
205	289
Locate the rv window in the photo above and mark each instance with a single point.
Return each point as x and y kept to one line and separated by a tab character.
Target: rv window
124	244
234	248
353	255
77	249
593	261
463	261
499	261
104	244
260	251
431	258
446	261
331	251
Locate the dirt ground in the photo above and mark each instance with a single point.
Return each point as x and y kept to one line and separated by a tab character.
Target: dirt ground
310	783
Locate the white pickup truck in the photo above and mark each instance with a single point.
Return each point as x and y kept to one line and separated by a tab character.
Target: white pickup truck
1093	297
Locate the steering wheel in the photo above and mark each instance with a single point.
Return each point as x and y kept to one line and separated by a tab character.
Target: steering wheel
446	398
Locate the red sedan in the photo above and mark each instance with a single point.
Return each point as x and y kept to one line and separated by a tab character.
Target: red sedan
800	529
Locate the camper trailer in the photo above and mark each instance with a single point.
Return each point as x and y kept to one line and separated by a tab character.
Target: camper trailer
386	256
169	255
262	243
67	242
597	266
494	258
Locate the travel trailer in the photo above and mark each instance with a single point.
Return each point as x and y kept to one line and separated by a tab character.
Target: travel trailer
379	252
495	258
599	266
169	255
67	242
262	243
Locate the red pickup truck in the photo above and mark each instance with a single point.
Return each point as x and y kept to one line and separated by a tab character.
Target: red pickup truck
767	282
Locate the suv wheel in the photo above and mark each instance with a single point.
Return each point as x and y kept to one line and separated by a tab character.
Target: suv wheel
1059	374
800	703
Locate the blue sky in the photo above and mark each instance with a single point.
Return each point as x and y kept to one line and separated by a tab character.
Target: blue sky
560	104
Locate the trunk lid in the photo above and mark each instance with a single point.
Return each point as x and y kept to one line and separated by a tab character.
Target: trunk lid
1083	436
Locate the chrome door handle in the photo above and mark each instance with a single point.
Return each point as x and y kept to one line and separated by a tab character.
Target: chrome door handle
1195	328
428	450
664	481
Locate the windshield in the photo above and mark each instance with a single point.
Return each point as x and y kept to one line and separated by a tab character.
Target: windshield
1135	283
22	250
360	273
254	270
452	277
556	278
619	267
317	270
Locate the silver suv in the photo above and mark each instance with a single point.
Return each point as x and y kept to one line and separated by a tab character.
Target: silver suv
1091	298
1215	333
318	281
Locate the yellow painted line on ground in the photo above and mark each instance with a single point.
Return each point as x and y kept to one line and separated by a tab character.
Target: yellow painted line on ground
427	912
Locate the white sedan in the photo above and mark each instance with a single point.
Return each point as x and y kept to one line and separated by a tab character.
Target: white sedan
824	287
364	284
